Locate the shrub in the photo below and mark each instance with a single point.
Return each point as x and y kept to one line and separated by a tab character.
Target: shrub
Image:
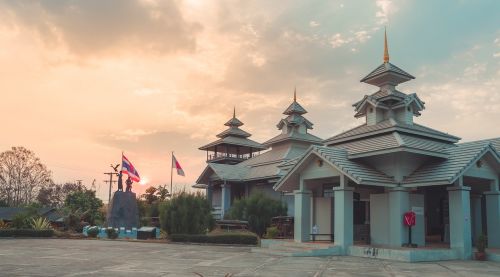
272	232
26	233
258	210
481	243
87	202
40	223
186	213
92	232
111	233
4	225
228	238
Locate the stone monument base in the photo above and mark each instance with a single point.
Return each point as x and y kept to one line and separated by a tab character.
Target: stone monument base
123	211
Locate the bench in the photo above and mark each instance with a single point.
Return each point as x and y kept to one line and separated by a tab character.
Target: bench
315	235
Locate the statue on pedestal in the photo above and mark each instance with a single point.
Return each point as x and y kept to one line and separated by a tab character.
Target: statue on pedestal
120	182
129	184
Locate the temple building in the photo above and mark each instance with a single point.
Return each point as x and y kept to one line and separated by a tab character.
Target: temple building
355	187
358	185
234	170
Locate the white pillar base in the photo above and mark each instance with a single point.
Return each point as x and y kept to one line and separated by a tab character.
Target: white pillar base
302	219
343	226
460	222
493	218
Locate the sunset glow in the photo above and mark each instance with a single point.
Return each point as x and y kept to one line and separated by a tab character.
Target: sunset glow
83	81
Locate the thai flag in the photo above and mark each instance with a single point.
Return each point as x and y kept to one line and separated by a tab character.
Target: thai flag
129	169
177	166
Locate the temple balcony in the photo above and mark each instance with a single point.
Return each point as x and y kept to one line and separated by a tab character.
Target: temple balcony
229	158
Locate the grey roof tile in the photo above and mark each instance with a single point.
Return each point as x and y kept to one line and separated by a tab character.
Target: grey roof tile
359	172
294	136
389	126
384	68
460	157
235	141
295	108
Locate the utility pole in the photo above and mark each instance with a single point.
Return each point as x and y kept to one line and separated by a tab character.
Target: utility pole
111	181
111	174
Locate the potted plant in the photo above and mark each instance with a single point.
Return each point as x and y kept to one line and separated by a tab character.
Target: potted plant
481	242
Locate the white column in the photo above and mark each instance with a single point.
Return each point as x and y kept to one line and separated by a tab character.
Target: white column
493	218
343	218
460	224
399	203
302	219
210	194
225	199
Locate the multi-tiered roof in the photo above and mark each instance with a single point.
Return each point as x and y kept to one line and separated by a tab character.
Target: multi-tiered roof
389	114
295	126
233	145
290	144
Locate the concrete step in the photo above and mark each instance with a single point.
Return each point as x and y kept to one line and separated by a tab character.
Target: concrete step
294	249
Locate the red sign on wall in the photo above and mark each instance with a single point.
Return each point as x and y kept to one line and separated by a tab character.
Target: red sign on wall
409	218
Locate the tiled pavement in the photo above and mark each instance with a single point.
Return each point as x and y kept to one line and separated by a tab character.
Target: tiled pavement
59	257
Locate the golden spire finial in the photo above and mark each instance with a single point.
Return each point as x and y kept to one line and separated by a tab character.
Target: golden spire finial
295	94
386	49
234	112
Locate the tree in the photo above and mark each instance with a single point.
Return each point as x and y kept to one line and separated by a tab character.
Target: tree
150	195
85	201
22	175
258	210
55	195
186	213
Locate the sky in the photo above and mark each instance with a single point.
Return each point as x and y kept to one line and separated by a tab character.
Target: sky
83	80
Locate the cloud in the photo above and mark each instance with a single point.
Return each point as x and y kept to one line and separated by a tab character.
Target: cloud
386	8
91	27
313	24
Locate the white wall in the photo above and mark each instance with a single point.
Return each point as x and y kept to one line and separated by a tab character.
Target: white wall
379	219
418	231
323	216
216	197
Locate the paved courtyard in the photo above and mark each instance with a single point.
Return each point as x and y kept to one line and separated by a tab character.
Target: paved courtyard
58	257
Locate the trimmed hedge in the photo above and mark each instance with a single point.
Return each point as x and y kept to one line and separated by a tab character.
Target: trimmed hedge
26	233
229	238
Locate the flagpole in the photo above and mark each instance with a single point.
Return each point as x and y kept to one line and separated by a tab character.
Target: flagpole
171	173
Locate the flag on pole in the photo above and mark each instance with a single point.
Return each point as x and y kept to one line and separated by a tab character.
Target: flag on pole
129	169
177	166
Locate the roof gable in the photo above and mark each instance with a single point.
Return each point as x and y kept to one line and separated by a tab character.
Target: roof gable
337	157
460	158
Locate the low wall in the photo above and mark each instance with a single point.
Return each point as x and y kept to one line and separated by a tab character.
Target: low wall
403	254
122	232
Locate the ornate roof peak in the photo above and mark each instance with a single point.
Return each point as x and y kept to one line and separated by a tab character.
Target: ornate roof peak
295	107
387	73
386	48
234	122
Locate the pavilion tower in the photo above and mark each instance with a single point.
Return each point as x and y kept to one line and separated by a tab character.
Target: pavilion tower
389	132
295	126
233	145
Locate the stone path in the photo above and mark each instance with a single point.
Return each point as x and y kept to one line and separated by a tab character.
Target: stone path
58	257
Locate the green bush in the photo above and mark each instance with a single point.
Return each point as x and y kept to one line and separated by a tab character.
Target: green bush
186	213
111	233
481	243
92	232
23	219
228	238
258	210
40	223
26	233
272	232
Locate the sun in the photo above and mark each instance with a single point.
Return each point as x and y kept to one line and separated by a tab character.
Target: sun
144	181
